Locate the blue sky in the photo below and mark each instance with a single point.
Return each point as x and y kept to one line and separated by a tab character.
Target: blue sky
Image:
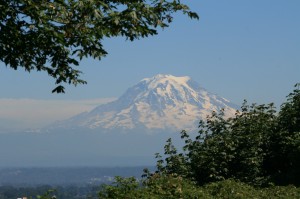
238	49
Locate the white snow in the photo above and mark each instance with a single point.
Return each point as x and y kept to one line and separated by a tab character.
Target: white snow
160	102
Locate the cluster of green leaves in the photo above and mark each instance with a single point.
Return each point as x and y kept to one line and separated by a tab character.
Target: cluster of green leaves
48	195
257	146
174	187
238	190
52	36
154	187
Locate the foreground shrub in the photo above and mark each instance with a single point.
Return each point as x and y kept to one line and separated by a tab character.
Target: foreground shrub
257	146
175	187
156	187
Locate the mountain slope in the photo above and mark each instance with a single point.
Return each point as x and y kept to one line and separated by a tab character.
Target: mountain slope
163	102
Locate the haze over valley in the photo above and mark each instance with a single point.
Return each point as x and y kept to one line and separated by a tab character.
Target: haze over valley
124	132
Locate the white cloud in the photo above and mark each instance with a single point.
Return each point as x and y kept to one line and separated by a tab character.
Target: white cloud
33	113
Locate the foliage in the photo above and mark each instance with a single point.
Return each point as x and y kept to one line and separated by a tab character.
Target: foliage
48	192
155	187
284	161
233	189
290	114
159	186
173	187
52	36
48	195
121	188
257	146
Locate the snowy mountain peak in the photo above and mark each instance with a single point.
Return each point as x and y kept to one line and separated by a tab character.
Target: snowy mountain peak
161	102
161	78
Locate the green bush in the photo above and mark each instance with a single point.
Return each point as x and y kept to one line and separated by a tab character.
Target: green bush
258	146
154	187
174	187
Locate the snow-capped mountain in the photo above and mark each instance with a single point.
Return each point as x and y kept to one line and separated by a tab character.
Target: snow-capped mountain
163	102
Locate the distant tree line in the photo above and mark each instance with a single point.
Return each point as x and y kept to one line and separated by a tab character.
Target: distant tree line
46	191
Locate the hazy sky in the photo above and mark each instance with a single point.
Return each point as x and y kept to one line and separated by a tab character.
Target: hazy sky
238	49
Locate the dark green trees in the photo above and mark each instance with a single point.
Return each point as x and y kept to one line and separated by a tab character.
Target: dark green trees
257	147
52	36
284	166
